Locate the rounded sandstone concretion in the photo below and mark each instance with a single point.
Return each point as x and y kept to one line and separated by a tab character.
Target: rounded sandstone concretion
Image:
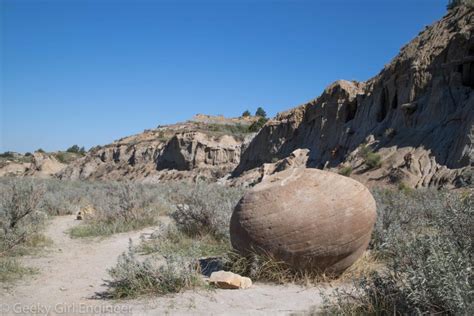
306	217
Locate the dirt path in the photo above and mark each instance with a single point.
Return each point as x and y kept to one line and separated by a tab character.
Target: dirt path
73	271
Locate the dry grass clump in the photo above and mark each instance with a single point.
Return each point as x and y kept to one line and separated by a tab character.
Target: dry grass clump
169	241
133	277
266	268
11	270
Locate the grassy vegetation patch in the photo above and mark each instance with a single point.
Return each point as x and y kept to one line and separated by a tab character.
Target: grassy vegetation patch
132	276
372	160
11	270
97	228
346	171
169	241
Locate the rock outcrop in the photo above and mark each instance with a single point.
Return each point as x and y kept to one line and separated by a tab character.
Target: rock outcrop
40	165
191	150
421	104
309	218
43	166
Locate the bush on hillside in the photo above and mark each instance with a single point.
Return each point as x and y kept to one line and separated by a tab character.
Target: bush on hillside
257	125
372	160
75	149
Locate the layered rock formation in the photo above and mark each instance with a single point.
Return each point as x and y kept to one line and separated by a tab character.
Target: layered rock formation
417	114
306	217
190	150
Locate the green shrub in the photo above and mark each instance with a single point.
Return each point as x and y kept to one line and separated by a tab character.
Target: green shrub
372	160
61	157
257	125
346	171
75	149
132	277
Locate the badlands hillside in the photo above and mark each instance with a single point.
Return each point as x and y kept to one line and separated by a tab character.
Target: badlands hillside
410	125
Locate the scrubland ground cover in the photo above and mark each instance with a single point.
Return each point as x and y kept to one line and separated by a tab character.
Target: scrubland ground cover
425	239
419	260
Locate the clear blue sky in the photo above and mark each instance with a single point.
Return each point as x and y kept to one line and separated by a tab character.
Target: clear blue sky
89	72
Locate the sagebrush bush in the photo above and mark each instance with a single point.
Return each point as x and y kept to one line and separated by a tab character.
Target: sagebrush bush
132	277
425	238
21	221
205	208
20	214
121	207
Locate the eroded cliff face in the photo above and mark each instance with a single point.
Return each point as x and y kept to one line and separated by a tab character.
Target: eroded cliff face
417	114
182	151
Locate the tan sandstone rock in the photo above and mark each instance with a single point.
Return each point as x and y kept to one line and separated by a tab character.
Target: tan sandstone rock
306	217
229	280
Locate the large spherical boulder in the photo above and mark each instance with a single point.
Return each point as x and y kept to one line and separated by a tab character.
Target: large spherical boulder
306	217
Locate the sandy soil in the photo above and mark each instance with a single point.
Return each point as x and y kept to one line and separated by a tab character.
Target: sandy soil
72	272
